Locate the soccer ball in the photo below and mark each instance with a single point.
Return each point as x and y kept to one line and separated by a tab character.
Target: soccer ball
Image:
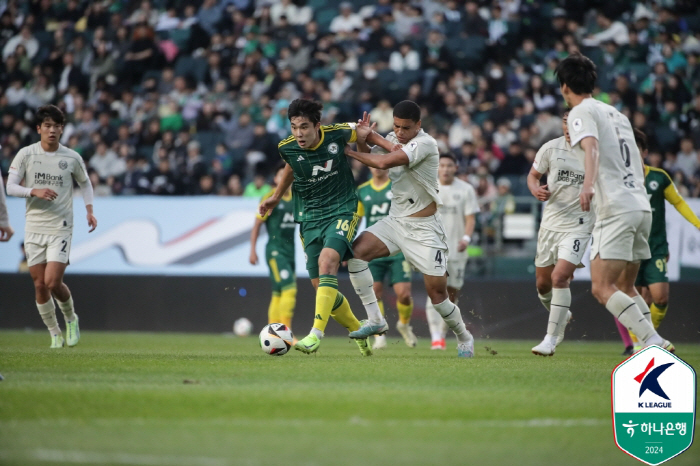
276	339
242	327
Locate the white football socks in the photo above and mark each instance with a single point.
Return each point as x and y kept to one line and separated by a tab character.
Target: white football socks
453	318
561	302
362	281
546	299
47	311
437	326
67	309
627	312
642	305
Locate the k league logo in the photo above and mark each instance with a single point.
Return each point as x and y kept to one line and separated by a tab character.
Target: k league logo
653	404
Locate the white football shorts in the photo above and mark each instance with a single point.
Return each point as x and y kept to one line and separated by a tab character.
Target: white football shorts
46	248
622	237
555	245
421	239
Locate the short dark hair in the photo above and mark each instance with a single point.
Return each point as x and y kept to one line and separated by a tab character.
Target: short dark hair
578	72
280	166
305	108
640	139
407	110
50	112
448	155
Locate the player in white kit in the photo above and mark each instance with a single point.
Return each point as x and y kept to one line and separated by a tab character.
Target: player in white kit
613	187
458	212
564	233
6	230
413	225
48	170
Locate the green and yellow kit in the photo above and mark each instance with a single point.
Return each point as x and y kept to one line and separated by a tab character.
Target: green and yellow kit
375	202
325	201
660	188
279	251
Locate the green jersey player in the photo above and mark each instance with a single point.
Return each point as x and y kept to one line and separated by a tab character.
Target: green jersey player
325	205
375	200
279	254
652	279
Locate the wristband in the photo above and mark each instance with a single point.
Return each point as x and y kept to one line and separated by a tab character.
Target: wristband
467	238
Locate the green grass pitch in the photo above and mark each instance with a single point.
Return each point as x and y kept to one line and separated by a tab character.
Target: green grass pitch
122	399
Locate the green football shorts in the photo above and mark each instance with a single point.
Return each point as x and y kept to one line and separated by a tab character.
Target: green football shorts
281	268
652	271
336	233
398	269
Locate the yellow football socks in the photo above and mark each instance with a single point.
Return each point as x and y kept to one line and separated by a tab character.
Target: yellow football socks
273	314
657	314
288	299
343	314
380	303
325	298
405	311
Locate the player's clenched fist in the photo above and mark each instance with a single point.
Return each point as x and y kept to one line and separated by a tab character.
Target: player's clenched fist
45	193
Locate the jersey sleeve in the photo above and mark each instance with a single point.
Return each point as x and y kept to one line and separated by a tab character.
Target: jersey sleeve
360	209
582	124
19	164
417	151
671	194
349	132
80	171
471	205
541	163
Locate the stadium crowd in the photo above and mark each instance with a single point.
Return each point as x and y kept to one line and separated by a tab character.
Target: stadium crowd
190	97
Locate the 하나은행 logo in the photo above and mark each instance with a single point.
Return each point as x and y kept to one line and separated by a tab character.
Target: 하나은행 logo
653	405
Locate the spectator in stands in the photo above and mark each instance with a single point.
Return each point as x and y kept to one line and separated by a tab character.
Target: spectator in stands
505	201
106	163
687	159
162	181
346	21
609	30
141	55
234	187
383	115
473	23
258	187
514	163
405	58
24	38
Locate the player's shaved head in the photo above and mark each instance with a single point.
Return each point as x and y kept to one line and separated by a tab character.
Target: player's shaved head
407	110
578	72
305	108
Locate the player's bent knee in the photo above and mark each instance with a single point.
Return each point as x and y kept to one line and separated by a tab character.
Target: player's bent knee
560	280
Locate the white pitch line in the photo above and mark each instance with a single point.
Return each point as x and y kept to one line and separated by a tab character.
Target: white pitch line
91	457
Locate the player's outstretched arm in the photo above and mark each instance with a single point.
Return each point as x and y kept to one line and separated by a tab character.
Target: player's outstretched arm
671	194
533	183
381	161
272	201
590	145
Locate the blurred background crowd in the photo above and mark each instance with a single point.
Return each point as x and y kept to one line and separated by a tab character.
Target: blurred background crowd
175	97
